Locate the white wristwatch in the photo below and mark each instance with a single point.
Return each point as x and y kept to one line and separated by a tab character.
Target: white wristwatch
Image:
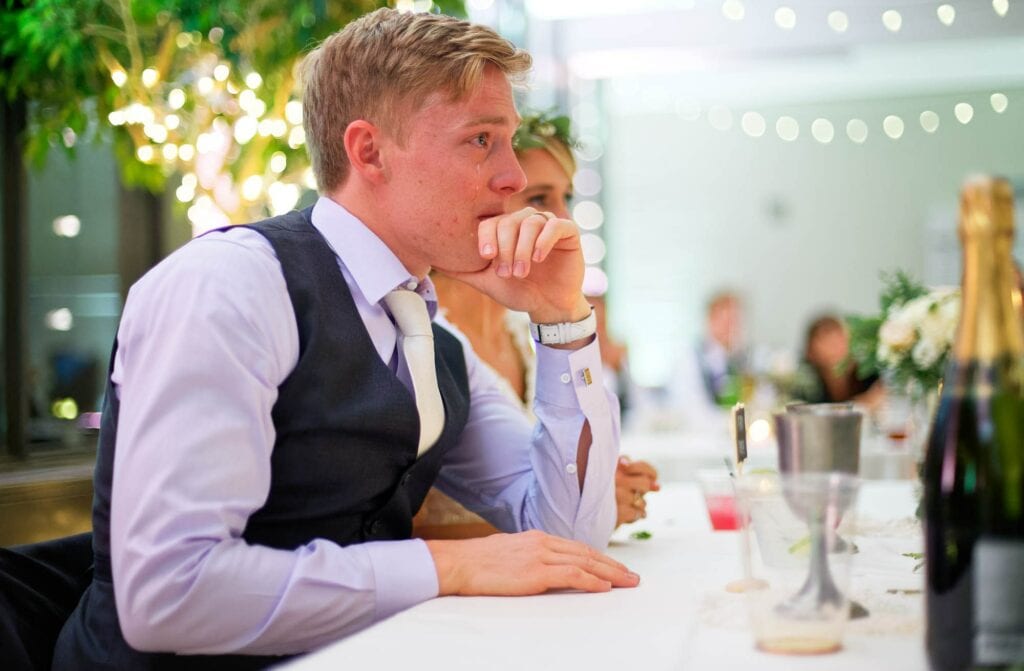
564	332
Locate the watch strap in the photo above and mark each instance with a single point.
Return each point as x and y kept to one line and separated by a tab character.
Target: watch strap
564	332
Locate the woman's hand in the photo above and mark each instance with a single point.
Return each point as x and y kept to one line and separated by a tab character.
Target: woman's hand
633	479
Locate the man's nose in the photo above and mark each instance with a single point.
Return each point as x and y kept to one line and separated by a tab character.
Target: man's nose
510	178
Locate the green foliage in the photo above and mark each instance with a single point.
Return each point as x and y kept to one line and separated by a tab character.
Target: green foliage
864	344
59	55
535	130
908	341
898	289
917	557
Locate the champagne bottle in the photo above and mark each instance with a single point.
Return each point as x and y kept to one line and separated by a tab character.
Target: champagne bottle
974	464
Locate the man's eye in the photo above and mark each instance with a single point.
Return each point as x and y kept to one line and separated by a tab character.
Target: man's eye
482	140
539	202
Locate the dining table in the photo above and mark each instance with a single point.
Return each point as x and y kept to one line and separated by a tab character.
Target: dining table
680	616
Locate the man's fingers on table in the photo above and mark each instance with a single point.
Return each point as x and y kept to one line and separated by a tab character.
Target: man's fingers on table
573	577
595	562
619	577
564	546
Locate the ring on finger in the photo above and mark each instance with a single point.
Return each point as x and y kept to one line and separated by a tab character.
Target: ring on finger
638	499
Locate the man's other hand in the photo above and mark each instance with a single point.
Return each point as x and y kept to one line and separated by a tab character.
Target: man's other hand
531	562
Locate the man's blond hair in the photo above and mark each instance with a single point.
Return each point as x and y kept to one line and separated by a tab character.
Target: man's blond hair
383	67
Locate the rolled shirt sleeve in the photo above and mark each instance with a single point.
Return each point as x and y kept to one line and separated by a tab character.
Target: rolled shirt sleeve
520	476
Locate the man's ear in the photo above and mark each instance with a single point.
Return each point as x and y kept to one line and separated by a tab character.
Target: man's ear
363	147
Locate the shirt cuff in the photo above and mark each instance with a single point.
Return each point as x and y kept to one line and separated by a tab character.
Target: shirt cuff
564	377
404	575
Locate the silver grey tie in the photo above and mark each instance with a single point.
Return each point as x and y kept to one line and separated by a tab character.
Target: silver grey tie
417	340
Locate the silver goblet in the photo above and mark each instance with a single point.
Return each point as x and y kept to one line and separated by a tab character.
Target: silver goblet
818	444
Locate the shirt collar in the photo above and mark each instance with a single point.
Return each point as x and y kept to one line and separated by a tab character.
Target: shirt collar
373	267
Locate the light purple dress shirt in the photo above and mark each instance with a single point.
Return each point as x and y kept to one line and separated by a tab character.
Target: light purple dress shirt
205	340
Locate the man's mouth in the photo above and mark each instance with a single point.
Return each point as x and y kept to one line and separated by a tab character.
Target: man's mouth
490	214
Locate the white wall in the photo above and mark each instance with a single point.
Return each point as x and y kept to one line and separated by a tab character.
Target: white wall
797	227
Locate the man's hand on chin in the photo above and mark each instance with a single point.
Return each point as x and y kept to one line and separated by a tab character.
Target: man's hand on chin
535	265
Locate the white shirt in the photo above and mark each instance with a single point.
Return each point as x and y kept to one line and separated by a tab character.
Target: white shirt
205	340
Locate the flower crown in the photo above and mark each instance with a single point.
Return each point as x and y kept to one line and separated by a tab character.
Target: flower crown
536	130
552	133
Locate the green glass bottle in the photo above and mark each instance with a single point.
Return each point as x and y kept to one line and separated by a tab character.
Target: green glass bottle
974	464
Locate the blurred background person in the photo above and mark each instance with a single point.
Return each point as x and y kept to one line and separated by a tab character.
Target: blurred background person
830	378
501	337
710	376
720	355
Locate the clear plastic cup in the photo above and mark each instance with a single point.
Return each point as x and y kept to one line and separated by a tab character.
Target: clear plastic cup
800	551
719	497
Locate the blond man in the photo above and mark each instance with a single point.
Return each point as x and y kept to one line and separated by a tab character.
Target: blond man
270	430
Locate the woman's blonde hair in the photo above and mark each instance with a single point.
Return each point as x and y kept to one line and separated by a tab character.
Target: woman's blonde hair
552	133
383	67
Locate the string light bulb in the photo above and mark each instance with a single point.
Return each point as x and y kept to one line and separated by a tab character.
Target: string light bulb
838	21
785	18
857	131
733	10
150	77
893	126
946	14
823	131
787	128
892	20
963	112
929	121
999	102
176	99
753	124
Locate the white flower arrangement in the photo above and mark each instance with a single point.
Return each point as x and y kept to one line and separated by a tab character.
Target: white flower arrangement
910	341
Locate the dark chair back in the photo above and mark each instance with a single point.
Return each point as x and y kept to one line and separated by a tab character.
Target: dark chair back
40	585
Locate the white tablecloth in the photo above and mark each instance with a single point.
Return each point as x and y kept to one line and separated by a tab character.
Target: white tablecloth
680	617
678	455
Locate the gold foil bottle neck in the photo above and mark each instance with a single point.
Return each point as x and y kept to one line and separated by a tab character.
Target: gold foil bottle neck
986	207
990	322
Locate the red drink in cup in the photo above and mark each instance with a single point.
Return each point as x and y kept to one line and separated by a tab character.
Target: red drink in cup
720	498
722	511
